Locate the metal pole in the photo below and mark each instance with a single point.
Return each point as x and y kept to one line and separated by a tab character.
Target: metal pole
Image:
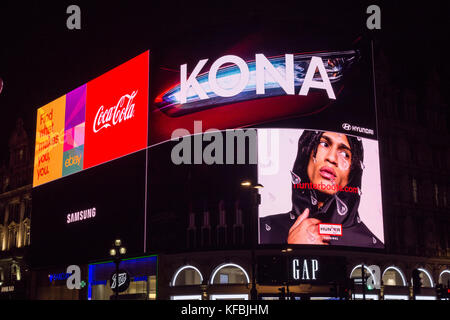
253	291
117	278
363	281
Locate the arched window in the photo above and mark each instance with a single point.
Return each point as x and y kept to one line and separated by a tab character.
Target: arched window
357	275
444	277
15	272
26	232
229	273
187	276
1	238
393	276
427	280
12	237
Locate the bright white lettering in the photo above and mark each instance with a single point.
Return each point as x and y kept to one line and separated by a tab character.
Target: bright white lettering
309	82
236	89
263	64
185	84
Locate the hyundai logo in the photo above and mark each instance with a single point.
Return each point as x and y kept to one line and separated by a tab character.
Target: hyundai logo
346	126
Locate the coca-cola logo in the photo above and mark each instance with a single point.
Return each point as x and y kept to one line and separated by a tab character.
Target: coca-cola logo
122	111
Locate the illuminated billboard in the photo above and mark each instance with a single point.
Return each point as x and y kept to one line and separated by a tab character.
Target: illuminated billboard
320	187
95	123
317	143
308	135
77	219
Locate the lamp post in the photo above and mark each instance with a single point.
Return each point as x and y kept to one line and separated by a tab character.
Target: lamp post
255	201
117	251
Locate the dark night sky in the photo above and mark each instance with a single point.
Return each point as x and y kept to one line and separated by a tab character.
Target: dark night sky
40	59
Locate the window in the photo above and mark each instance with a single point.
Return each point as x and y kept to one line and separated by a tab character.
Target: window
1	238
436	195
357	274
2	215
14	212
142	279
187	276
414	189
393	276
224	279
444	198
15	272
444	277
12	241
412	153
27	233
399	107
427	281
232	273
27	208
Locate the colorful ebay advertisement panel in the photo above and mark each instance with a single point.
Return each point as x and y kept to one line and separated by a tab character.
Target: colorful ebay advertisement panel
49	142
100	121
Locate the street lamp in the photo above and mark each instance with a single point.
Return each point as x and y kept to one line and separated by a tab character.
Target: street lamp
117	252
246	183
255	201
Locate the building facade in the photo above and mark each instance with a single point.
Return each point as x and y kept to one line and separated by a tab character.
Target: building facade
217	256
15	216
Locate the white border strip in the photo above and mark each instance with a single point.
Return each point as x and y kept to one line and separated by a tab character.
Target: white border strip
187	297
228	296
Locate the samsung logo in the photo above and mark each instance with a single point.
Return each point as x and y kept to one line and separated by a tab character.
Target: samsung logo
81	215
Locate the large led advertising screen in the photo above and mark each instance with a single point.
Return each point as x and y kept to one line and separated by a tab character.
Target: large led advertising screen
298	121
320	187
89	169
95	123
315	118
76	219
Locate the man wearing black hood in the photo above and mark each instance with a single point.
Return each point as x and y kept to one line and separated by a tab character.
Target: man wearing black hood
333	161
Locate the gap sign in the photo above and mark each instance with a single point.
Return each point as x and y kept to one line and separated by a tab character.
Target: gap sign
278	270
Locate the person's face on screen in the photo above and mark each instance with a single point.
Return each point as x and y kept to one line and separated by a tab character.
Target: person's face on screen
331	164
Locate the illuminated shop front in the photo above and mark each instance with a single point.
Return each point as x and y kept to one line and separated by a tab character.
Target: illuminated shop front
205	276
143	279
51	284
392	283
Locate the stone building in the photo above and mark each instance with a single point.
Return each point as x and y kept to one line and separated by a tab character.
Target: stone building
15	215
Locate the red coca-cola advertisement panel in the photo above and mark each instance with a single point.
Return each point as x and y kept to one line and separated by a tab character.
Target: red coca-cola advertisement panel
117	112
